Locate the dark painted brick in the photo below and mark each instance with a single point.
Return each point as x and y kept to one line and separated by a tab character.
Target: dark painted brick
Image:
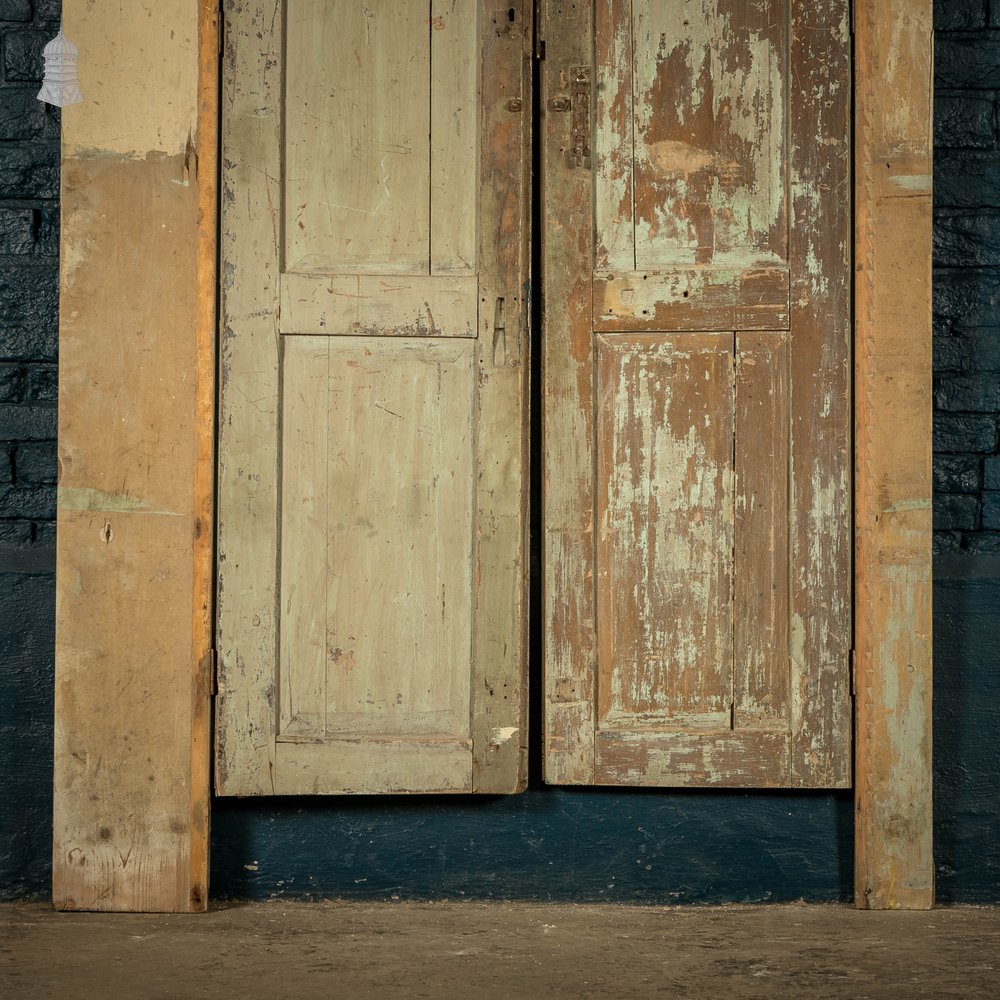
969	393
967	296
23	116
967	179
956	474
29	323
43	383
7	451
15	533
45	532
958	15
15	10
965	434
946	541
967	61
964	349
983	544
967	239
17	231
33	502
964	120
29	171
11	384
22	57
991	473
991	511
36	463
956	513
28	423
48	10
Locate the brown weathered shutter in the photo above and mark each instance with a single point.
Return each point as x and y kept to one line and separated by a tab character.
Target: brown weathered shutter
697	392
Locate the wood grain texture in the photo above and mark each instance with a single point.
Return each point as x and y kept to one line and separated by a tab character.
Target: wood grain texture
568	419
820	395
356	135
894	864
503	354
665	520
131	782
373	415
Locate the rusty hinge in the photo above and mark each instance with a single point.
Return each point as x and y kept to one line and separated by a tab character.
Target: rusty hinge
853	674
208	668
580	105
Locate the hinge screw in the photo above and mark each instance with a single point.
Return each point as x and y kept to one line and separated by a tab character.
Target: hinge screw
560	104
515	104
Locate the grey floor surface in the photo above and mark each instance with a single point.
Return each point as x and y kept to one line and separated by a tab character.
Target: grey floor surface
492	951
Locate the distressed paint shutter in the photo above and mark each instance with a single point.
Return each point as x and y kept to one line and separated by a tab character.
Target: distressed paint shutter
372	462
696	392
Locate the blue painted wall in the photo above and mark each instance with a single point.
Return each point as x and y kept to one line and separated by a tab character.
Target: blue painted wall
644	846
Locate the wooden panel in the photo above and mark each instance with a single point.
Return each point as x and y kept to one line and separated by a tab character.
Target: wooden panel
699	298
454	127
348	767
665	531
761	675
894	862
614	137
399	537
357	121
693	759
709	80
133	576
500	631
820	399
247	527
568	448
379	305
305	534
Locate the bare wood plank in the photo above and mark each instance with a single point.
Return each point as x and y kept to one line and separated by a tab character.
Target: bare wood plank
710	144
246	709
698	298
130	827
305	531
761	676
379	305
398	490
894	864
569	637
454	126
499	709
347	767
820	403
665	530
744	759
357	152
614	141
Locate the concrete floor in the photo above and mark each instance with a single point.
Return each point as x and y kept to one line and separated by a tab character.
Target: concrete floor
335	950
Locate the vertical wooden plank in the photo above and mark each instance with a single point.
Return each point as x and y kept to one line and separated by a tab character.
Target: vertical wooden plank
454	126
399	566
665	531
133	580
894	865
568	500
246	709
305	535
614	139
357	125
500	570
820	401
760	594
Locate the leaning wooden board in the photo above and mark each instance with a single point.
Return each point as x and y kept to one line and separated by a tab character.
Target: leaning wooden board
372	448
697	408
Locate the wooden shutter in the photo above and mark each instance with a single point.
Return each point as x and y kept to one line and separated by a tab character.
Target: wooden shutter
696	392
373	412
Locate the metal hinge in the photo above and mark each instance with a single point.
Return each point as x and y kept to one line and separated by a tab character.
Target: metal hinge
852	668
209	672
580	107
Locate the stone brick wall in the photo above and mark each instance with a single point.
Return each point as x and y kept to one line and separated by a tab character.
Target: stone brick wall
29	266
967	276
